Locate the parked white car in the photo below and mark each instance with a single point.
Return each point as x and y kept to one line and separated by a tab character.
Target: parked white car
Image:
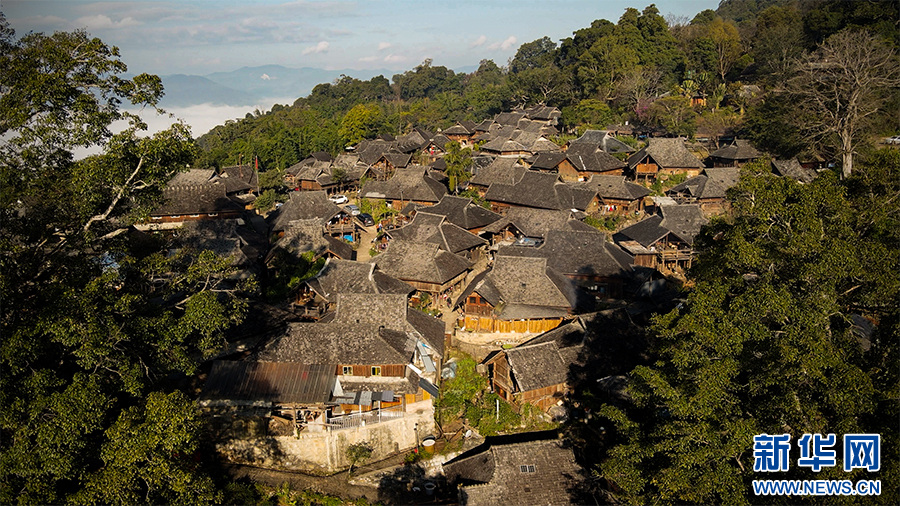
352	209
339	199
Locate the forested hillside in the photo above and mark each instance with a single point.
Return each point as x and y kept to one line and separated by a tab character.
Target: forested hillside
736	62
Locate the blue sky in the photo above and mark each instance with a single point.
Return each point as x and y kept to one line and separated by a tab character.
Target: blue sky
204	36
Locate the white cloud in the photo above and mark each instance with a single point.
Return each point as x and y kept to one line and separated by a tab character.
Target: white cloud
383	45
479	41
102	21
267	77
321	47
395	58
506	44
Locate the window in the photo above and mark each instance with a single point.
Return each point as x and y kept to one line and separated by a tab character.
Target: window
347	370
376	370
526	469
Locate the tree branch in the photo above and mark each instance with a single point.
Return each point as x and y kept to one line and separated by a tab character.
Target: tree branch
118	197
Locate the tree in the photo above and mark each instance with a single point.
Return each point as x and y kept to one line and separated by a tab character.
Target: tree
764	344
841	87
357	453
93	318
361	122
458	161
674	114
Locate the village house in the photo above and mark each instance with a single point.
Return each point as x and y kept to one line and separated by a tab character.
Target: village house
735	154
197	194
462	132
425	266
368	373
792	169
579	163
586	257
413	184
664	240
334	221
538	190
520	294
501	170
532	472
602	140
426	227
708	190
461	212
527	226
318	295
300	237
615	195
662	158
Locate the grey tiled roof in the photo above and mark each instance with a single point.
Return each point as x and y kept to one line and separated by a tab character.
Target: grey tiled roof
603	140
303	206
713	183
540	190
740	149
433	228
501	170
423	262
576	253
537	366
345	276
364	330
278	382
534	222
195	199
410	183
523	287
684	220
193	177
587	158
668	153
615	187
462	212
555	476
239	178
646	231
792	169
223	237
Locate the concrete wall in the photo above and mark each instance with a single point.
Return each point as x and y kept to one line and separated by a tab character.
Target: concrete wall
325	452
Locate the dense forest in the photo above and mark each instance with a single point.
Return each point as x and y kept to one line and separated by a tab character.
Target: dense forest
104	333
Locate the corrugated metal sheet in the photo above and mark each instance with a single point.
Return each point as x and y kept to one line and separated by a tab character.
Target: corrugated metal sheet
429	387
278	382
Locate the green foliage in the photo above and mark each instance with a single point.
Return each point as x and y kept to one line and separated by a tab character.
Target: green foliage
358	453
610	223
288	270
477	199
266	200
362	122
461	391
764	343
675	115
272	178
458	162
378	209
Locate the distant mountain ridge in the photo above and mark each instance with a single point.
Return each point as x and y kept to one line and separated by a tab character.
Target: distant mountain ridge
248	86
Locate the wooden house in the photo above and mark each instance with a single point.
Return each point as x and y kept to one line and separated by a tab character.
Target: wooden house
192	196
413	184
708	190
615	195
586	257
528	226
303	236
425	266
792	169
664	240
318	296
520	294
462	132
305	206
662	158
736	154
435	229
603	140
501	170
461	212
531	472
538	190
374	354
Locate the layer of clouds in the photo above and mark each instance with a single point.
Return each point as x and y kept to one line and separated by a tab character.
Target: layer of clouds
479	41
321	47
505	45
383	45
